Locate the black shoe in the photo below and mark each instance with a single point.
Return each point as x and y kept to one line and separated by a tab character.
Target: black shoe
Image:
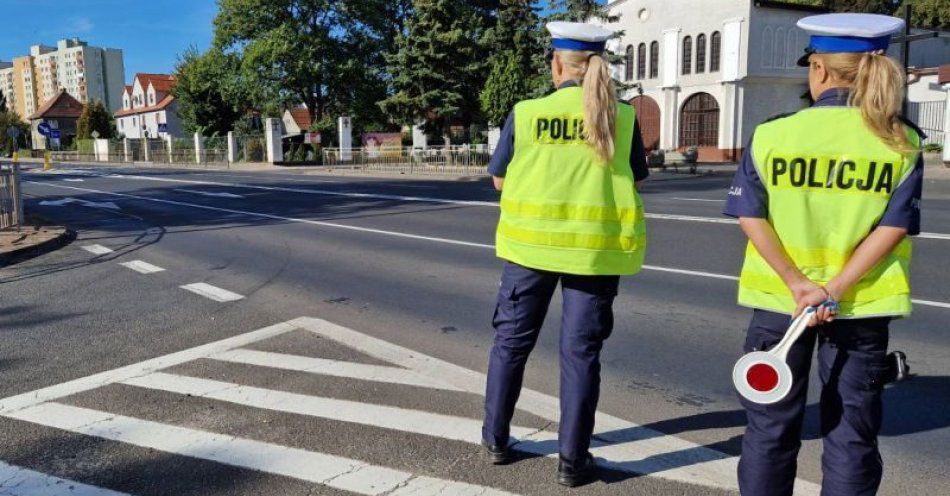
899	362
499	455
576	474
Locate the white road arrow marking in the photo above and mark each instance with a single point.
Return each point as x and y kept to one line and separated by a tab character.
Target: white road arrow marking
209	193
85	203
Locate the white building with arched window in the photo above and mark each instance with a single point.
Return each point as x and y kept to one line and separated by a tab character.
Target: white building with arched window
711	70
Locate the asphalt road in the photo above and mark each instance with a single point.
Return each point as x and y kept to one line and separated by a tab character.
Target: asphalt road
313	408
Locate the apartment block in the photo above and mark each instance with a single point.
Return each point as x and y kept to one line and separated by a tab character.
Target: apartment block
85	72
6	83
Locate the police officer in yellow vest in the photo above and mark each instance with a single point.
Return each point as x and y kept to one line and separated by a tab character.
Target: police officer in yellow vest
827	197
570	213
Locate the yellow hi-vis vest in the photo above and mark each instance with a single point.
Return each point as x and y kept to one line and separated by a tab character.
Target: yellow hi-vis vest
562	208
829	180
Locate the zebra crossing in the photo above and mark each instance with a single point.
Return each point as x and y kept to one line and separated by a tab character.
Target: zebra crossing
351	414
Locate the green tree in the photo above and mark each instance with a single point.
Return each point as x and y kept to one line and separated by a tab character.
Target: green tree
94	118
208	90
579	11
8	145
516	66
326	54
931	14
3	102
438	68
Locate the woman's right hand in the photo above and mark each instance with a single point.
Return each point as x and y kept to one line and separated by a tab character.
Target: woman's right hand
808	294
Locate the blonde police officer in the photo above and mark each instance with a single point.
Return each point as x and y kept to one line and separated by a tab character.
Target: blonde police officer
827	197
570	214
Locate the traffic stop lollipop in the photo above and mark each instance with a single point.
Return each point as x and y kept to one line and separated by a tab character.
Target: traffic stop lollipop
764	377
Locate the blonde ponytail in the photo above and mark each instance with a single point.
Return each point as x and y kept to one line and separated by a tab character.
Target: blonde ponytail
877	88
600	108
600	100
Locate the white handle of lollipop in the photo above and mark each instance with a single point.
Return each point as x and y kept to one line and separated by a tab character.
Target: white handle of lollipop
795	331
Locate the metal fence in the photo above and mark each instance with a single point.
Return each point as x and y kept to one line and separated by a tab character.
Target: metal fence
929	116
461	159
11	201
250	148
215	151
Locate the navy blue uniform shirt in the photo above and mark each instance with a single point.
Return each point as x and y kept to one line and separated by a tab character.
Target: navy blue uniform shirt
748	198
498	166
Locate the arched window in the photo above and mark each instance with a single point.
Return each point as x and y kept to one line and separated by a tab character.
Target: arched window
766	53
687	55
779	57
654	60
700	54
699	121
791	52
715	49
628	64
641	61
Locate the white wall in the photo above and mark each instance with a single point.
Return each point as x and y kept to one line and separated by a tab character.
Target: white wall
776	43
926	89
645	21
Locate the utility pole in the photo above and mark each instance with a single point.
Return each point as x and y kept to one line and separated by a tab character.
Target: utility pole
905	42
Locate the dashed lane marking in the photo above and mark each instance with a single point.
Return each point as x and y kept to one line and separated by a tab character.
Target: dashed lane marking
97	249
142	267
424	238
212	194
212	292
20	481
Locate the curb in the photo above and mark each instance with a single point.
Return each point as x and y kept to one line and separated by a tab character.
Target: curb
35	250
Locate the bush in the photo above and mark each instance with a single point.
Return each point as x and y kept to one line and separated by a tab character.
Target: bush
933	148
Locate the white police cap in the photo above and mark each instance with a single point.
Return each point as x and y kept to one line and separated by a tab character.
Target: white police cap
848	33
579	36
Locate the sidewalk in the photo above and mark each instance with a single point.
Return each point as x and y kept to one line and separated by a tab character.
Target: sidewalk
31	241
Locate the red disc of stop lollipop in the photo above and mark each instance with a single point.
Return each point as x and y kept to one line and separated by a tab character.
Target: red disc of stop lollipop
763	376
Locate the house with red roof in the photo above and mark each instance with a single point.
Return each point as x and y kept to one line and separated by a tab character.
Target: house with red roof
296	121
149	109
60	113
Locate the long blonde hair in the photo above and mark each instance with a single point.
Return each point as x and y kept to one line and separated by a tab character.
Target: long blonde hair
600	99
877	88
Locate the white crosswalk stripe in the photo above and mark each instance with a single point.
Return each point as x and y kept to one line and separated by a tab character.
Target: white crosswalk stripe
20	481
331	471
620	445
336	368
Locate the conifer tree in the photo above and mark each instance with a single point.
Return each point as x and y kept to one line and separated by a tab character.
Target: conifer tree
438	69
516	67
94	117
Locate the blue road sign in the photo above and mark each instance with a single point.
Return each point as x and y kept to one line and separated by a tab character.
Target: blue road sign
163	127
44	128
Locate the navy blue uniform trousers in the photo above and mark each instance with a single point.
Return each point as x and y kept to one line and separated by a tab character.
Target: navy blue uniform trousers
852	368
587	321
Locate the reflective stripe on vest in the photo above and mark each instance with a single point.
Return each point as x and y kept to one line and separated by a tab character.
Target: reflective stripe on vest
563	209
829	180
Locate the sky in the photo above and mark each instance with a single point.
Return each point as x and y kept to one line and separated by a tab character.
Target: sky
151	34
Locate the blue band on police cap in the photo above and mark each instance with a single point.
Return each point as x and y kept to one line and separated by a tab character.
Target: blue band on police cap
849	44
580	46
